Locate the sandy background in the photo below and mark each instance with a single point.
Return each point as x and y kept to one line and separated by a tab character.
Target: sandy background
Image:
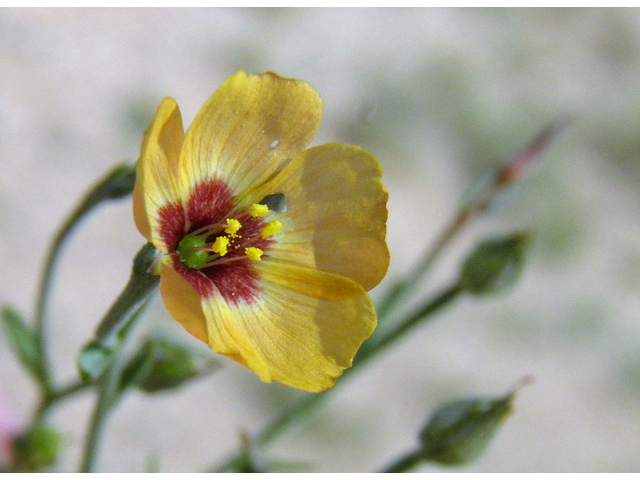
440	96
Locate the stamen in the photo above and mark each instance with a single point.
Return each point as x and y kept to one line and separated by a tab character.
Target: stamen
254	253
220	246
257	210
271	229
233	227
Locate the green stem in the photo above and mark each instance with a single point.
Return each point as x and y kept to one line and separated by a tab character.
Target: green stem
44	292
51	400
109	393
404	464
378	343
120	318
116	184
512	171
135	293
369	350
401	289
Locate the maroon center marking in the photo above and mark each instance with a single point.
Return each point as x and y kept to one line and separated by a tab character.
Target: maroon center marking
212	202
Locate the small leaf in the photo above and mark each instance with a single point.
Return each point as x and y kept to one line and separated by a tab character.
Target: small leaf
36	449
23	340
93	361
459	432
494	265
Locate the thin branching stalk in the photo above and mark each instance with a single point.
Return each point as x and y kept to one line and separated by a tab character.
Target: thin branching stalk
116	184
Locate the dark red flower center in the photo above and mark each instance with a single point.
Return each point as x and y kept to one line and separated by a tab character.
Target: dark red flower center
214	245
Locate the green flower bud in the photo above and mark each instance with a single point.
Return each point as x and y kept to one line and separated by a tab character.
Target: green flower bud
36	449
494	265
116	184
460	431
162	365
93	361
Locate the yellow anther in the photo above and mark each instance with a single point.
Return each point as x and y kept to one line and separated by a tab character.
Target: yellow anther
233	226
271	229
220	246
253	253
258	210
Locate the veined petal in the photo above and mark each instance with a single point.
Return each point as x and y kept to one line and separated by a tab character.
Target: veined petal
183	303
249	129
336	216
156	172
302	331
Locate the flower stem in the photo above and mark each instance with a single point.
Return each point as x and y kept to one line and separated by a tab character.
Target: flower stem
369	350
116	184
404	464
140	285
484	193
378	342
119	320
54	397
41	324
401	289
109	392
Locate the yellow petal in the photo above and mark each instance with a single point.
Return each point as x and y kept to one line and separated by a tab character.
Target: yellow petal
303	337
183	303
249	129
156	172
336	213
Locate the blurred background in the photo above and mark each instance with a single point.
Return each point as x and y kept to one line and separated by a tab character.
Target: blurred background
441	97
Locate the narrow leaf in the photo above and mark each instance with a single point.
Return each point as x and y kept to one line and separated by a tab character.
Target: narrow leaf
23	340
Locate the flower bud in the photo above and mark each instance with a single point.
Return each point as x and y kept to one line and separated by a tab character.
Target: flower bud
36	449
117	183
494	265
459	432
162	365
93	361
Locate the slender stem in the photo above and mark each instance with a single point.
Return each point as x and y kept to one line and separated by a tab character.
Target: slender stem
400	290
51	400
512	171
116	184
141	284
44	292
109	393
405	463
120	318
376	344
369	350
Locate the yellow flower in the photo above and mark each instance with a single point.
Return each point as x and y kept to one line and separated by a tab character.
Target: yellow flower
281	291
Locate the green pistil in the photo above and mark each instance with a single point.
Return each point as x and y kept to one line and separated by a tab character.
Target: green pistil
193	252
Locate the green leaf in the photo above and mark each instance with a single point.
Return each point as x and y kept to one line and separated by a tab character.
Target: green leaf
459	432
93	361
23	341
36	449
494	265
